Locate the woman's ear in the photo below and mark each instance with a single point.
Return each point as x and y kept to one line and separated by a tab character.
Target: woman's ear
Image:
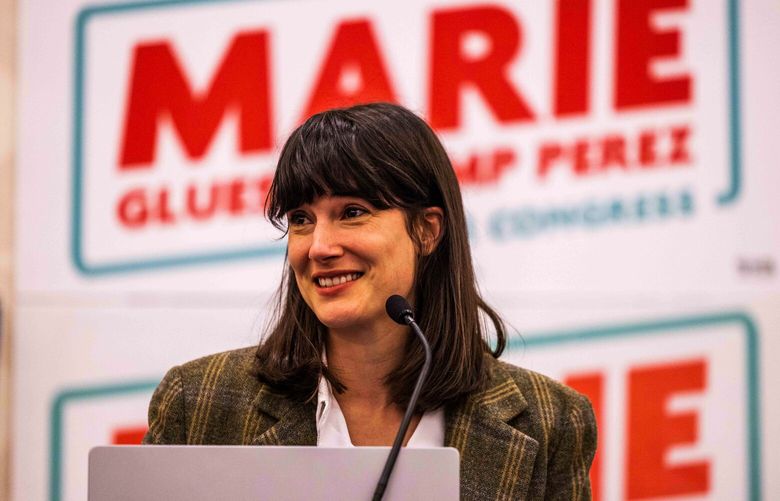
431	229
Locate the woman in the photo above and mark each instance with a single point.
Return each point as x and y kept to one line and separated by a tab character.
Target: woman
372	208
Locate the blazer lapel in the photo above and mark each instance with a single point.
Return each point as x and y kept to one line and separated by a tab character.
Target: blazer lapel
294	424
496	460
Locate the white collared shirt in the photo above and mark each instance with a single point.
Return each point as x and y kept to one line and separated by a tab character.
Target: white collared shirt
332	427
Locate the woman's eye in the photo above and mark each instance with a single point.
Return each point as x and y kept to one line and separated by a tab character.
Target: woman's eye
296	219
351	212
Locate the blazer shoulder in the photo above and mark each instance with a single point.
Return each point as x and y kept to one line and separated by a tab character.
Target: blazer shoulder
231	364
543	387
207	400
552	407
563	422
223	379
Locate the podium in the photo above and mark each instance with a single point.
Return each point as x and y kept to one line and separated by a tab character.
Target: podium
194	473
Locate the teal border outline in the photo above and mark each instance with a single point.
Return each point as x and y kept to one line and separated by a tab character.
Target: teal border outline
539	340
729	196
734	106
57	410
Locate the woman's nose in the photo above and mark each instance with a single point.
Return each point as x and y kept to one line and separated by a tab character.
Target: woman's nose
325	243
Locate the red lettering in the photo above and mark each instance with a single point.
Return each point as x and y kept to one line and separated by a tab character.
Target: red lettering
237	197
202	211
572	57
503	159
235	194
132	210
128	436
452	69
163	212
353	71
592	386
160	89
581	158
466	170
482	168
647	155
679	148
613	151
548	153
638	44
262	187
652	431
630	153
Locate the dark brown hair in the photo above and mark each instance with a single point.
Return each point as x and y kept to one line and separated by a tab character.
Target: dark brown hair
388	156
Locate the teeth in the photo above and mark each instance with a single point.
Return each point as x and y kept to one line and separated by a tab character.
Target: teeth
342	279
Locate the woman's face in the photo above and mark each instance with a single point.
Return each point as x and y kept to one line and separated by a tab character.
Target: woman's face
348	258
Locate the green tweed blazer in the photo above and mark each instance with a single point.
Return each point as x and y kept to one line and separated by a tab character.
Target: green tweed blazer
524	436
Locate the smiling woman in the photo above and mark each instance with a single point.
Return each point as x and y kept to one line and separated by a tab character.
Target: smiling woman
372	208
371	190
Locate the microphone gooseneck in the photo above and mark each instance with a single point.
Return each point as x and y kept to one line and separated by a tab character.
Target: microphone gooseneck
399	310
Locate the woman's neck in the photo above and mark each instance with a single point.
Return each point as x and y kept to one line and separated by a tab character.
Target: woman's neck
363	360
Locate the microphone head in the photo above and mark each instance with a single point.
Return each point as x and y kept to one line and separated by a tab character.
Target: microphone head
398	309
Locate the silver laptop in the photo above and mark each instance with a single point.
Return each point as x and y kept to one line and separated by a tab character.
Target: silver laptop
191	473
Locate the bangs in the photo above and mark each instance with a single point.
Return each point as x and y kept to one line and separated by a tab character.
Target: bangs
329	155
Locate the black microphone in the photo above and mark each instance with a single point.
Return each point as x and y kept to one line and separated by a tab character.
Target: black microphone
399	310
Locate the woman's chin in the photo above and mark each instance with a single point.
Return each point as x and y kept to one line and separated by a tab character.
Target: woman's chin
341	324
343	319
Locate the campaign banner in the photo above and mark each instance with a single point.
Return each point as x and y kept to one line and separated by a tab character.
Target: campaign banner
612	126
662	398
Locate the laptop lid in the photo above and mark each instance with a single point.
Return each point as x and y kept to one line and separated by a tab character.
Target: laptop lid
191	473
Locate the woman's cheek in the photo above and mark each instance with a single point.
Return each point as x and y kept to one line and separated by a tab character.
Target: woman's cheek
297	254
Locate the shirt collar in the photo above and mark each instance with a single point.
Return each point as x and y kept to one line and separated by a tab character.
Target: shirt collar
332	428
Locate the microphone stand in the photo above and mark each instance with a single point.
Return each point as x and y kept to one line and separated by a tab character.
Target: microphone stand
399	438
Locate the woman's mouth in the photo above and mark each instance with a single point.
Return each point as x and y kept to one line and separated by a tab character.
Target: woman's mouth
337	279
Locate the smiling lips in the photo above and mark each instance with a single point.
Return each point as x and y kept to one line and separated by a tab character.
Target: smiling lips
337	280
